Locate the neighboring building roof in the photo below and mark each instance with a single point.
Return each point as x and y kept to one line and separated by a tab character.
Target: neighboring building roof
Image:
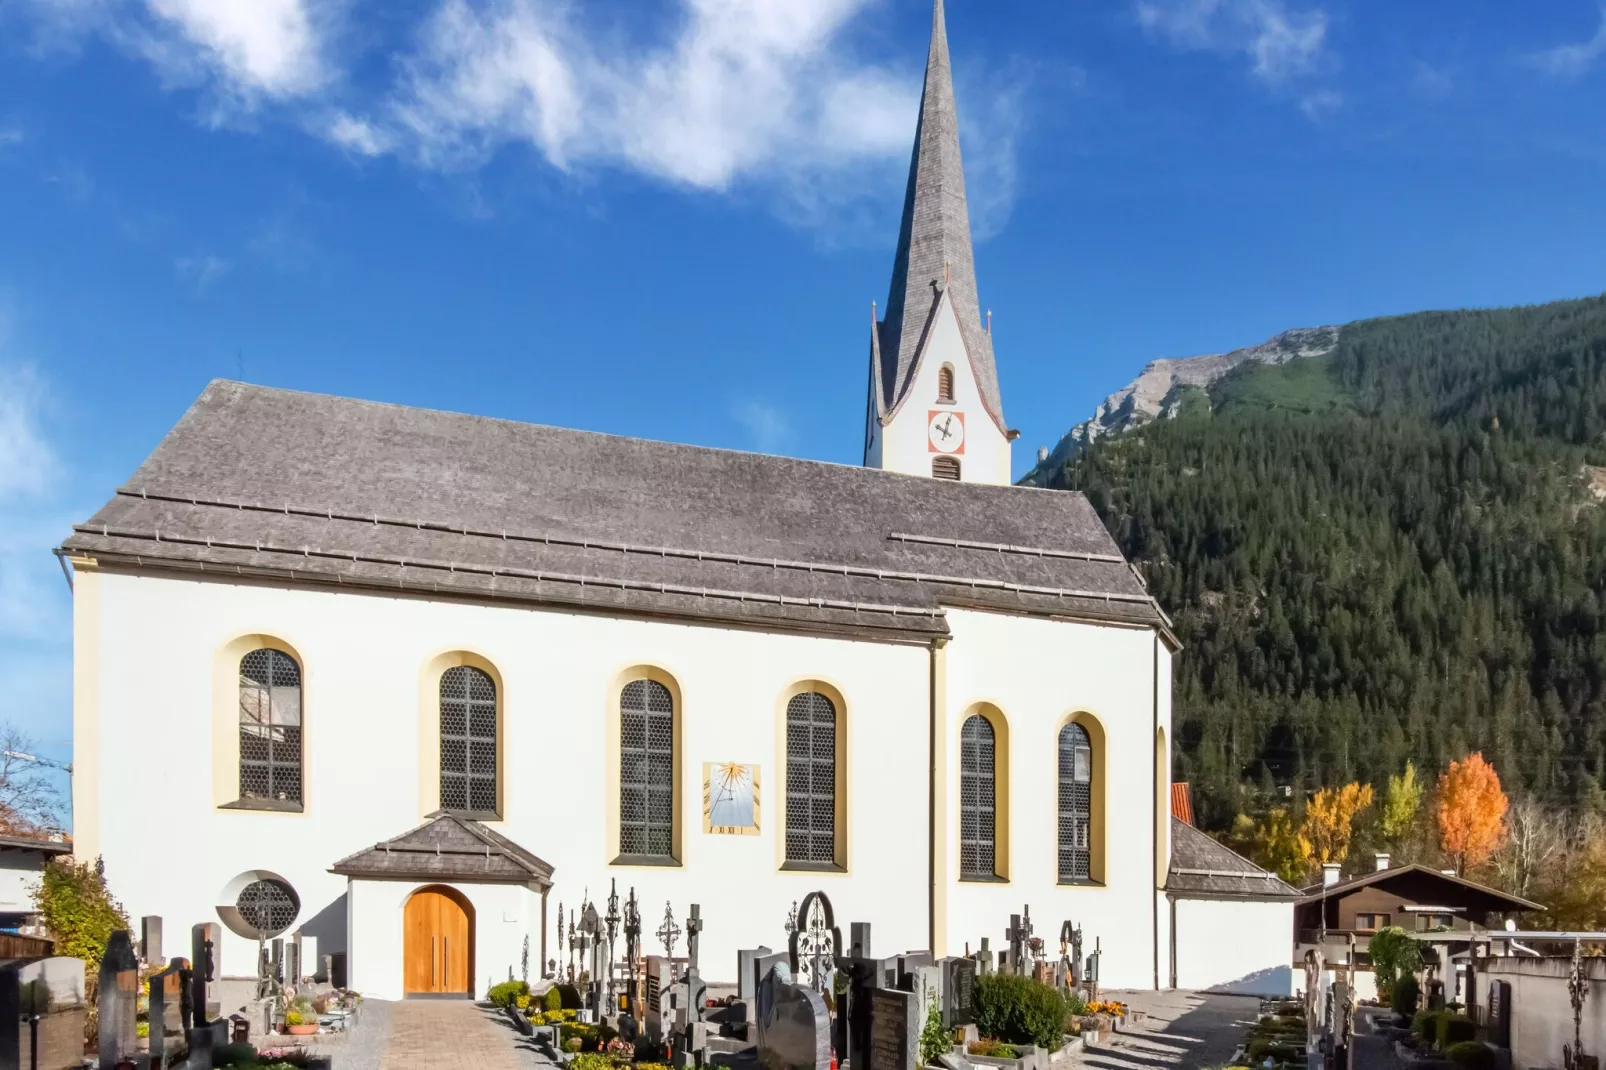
1182	803
934	249
310	488
1486	898
1201	866
448	848
28	843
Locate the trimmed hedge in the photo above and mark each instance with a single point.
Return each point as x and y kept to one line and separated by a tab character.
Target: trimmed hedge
1425	1024
1471	1055
1455	1029
553	1000
504	994
1405	996
1019	1010
568	996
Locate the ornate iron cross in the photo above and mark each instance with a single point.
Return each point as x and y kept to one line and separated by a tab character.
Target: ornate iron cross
816	944
669	932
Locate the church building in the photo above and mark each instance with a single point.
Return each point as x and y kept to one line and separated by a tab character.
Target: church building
408	681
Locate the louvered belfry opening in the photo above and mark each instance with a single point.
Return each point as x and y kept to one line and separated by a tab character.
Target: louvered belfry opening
270	727
1075	804
945	468
468	741
647	770
977	799
945	383
811	779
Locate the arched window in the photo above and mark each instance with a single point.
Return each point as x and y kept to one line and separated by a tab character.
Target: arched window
468	741
270	728
978	813
811	815
945	468
945	383
646	770
1075	805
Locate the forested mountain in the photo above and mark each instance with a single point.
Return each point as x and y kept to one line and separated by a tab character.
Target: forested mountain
1393	551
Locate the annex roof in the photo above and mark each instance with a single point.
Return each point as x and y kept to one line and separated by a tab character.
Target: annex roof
447	848
934	247
1202	866
308	488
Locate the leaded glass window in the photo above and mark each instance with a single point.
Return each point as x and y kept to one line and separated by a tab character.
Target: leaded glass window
811	779
270	727
1075	804
977	800
646	770
468	740
268	907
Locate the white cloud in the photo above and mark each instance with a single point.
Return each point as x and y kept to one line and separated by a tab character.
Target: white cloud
27	463
30	471
1320	104
1280	43
768	427
201	271
1569	61
359	135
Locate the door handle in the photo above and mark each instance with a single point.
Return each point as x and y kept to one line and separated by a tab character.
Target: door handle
445	967
432	981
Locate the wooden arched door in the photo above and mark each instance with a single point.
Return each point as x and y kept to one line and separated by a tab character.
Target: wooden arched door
437	943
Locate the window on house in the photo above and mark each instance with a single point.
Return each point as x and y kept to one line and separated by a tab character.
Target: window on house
270	728
647	770
267	907
1372	922
468	741
1425	922
977	799
945	468
1075	804
945	383
811	815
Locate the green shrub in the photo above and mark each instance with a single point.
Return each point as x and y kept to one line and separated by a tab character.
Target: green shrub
1425	1024
504	994
591	1061
1455	1029
234	1054
988	1048
1405	995
1019	1010
1471	1055
934	1039
553	1001
1262	1048
78	909
1394	955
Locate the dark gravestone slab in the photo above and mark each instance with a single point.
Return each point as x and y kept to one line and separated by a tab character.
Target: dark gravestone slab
747	972
894	1040
119	999
959	992
793	1025
654	1019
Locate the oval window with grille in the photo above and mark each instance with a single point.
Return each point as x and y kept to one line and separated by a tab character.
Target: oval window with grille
267	907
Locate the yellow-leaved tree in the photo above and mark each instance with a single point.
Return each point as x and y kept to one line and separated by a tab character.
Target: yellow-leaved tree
1471	811
1401	800
1275	843
1330	820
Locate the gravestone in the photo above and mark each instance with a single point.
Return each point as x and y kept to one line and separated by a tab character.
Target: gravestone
654	1019
746	975
150	940
166	994
118	999
793	1025
277	970
292	961
958	992
206	963
926	984
984	957
892	1041
859	940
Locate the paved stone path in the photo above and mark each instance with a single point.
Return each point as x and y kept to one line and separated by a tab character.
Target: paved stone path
455	1035
1183	1030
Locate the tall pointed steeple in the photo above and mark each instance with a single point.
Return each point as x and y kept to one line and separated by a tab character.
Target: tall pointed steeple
934	252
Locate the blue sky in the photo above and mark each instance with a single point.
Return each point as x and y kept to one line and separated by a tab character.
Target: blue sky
668	218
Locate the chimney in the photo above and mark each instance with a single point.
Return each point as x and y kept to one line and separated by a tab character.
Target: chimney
1382	861
1448	872
1330	874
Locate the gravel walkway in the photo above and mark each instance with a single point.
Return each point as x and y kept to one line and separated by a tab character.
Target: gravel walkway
1184	1030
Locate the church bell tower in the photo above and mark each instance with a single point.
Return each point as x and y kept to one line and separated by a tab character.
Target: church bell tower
934	406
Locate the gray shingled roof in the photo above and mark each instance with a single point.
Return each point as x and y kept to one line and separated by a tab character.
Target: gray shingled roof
1201	866
309	488
447	848
934	250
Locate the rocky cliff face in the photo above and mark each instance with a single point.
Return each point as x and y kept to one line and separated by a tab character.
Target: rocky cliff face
1154	393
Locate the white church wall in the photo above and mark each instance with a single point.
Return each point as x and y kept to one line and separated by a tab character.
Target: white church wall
903	445
1244	946
1037	672
503	915
362	656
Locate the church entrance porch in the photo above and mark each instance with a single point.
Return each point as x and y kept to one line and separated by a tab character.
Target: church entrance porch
437	943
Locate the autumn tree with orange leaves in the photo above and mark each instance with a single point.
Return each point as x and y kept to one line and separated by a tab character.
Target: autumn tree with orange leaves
1471	811
1330	821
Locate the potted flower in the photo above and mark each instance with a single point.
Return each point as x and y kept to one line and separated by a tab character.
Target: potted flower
300	1019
